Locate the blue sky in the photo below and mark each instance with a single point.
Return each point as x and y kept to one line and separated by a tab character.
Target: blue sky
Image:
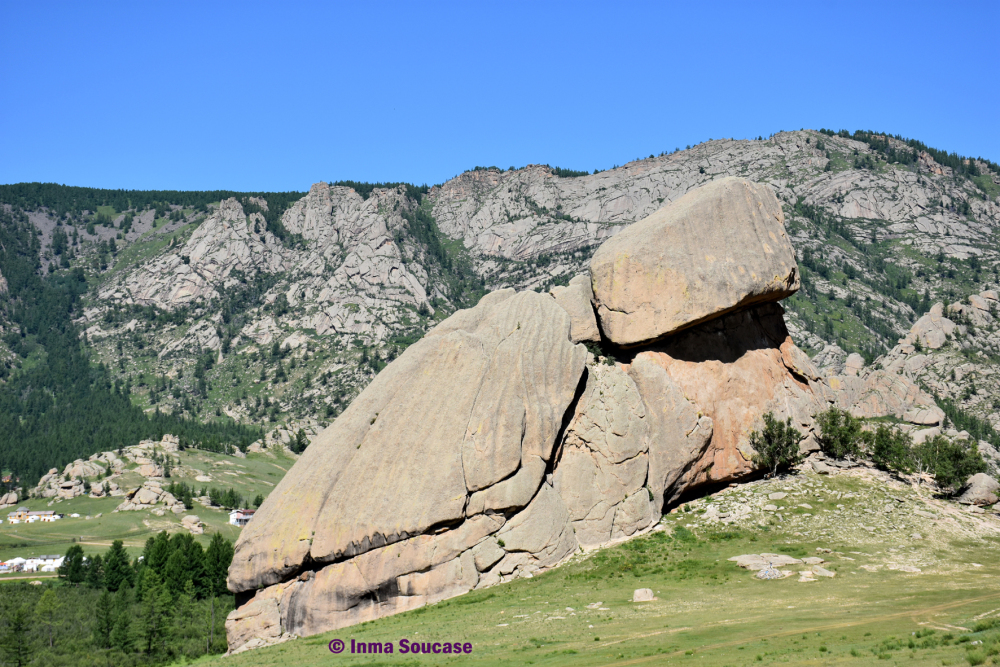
276	96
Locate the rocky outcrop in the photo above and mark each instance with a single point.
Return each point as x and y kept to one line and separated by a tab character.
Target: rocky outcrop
497	446
713	383
513	452
8	499
720	247
603	466
469	417
147	496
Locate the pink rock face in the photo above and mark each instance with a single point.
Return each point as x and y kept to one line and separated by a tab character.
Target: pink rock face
733	370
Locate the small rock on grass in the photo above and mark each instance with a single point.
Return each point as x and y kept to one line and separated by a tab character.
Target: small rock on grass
643	595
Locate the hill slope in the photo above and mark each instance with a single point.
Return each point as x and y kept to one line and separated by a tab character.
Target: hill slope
278	310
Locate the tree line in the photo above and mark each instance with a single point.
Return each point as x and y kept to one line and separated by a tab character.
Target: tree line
168	605
55	404
63	199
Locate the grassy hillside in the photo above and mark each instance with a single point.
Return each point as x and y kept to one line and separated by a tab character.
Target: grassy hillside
256	474
710	612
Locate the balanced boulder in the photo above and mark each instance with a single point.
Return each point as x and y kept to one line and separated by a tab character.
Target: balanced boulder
498	446
720	247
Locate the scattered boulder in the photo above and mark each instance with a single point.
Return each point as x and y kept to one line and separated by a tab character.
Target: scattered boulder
643	595
980	489
193	524
720	247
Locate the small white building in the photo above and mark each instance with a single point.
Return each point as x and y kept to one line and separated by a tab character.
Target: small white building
240	517
46	516
15	564
50	563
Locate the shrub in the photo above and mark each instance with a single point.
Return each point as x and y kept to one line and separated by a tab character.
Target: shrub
777	446
840	434
951	463
891	450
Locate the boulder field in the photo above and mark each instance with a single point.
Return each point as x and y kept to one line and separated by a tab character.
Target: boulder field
499	445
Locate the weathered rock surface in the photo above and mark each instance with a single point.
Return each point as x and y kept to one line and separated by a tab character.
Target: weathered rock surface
980	489
468	417
577	300
719	247
718	380
602	470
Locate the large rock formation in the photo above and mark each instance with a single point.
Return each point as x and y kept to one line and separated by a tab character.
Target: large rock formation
497	446
719	247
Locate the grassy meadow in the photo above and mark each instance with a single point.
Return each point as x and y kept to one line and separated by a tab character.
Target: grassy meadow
711	613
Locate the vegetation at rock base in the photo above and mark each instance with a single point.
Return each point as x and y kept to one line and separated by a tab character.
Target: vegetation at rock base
950	462
891	449
776	446
841	434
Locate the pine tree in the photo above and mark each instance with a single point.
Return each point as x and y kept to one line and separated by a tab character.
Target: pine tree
15	643
45	611
218	557
95	571
104	620
175	573
118	572
72	568
154	617
121	634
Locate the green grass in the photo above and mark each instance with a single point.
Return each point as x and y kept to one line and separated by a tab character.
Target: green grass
147	247
708	613
257	474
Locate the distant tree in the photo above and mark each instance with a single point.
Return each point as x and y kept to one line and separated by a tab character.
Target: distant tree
841	435
891	450
175	573
118	572
777	446
15	641
951	463
218	557
121	634
301	442
95	571
154	614
104	620
258	500
72	568
45	611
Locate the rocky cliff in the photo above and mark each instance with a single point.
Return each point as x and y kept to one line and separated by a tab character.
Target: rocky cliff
349	278
515	447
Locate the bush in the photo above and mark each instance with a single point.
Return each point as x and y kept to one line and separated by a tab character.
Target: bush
891	450
840	434
777	446
951	463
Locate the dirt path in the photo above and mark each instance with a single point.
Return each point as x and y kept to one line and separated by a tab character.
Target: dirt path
914	613
39	576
